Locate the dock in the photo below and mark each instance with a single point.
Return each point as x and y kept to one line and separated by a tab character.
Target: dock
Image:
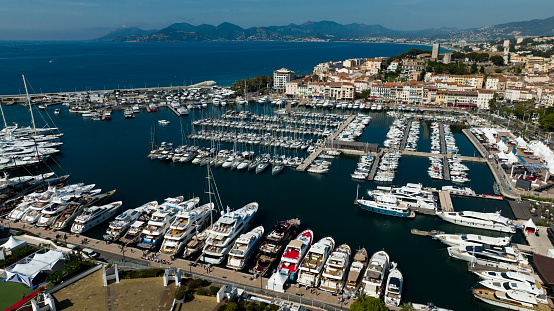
446	168
374	166
406	134
309	159
175	111
429	154
443	141
445	201
477	196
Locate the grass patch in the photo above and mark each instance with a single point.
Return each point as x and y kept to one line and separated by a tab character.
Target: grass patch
12	292
140	274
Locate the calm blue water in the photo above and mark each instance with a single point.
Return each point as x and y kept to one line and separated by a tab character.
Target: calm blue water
113	154
70	66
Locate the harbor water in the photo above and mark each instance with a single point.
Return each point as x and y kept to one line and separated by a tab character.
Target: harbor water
112	154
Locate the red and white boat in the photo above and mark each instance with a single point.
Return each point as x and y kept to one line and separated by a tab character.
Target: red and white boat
294	253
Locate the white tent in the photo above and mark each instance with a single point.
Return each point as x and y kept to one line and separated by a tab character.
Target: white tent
26	272
277	282
529	226
13	243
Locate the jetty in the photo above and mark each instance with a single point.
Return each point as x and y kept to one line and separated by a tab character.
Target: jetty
449	155
445	201
375	165
443	141
446	168
406	134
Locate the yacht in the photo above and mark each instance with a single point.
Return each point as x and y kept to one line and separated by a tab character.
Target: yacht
225	231
244	248
185	225
393	290
336	267
357	269
122	222
508	276
374	277
539	293
489	221
159	222
94	215
312	265
128	114
386	204
294	253
471	239
459	190
75	208
512	299
273	244
507	258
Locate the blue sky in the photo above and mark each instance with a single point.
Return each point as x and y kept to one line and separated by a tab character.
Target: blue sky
87	19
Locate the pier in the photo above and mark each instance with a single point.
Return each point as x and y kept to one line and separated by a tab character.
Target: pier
429	154
309	159
446	168
443	141
175	111
445	201
406	134
375	165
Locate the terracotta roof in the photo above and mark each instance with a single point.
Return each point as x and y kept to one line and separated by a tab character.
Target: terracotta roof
545	266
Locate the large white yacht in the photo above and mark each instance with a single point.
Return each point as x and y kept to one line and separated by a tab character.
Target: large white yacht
159	223
539	293
471	239
225	231
393	290
58	205
508	276
311	267
185	225
244	247
122	222
375	274
387	204
489	221
493	256
512	299
413	195
336	269
94	215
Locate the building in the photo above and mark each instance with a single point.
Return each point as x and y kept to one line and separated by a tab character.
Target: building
435	52
447	59
281	77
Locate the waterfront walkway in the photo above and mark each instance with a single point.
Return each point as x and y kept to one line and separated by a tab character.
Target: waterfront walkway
429	154
446	168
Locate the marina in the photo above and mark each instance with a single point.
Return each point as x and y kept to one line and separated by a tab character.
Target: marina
341	167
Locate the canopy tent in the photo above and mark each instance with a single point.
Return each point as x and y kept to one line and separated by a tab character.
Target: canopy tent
521	143
277	282
529	226
28	270
541	150
13	243
508	158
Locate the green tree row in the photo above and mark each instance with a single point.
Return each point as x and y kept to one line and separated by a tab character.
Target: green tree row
261	84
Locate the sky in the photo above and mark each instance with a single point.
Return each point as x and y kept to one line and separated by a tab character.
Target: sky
89	19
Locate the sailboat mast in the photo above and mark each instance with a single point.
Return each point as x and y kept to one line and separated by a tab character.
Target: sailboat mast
3	117
29	102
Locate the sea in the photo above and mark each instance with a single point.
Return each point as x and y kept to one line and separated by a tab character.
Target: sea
112	154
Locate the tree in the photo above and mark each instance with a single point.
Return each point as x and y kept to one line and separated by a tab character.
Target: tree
473	68
407	306
368	304
547	122
365	94
497	60
231	306
482	69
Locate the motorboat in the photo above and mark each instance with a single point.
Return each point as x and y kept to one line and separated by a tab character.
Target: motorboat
75	208
336	270
244	248
273	244
471	239
159	222
393	290
313	263
224	232
163	122
128	113
507	258
512	300
121	223
508	276
294	253
489	221
539	293
373	281
356	273
94	215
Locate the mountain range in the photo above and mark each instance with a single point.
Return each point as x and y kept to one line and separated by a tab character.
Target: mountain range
326	30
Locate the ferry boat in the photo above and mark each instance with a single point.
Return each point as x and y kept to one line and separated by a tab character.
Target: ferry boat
94	215
244	248
512	300
471	239
386	204
313	263
274	243
185	225
225	231
374	277
489	221
393	290
122	222
294	253
507	258
357	269
336	267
